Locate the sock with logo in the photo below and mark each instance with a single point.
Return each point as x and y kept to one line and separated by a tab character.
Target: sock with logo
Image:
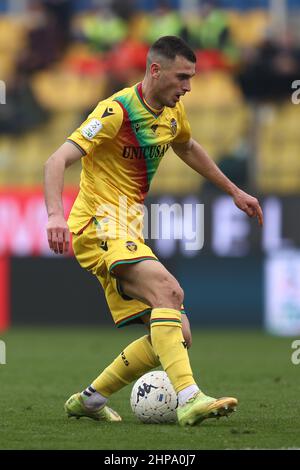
92	399
136	359
187	393
169	345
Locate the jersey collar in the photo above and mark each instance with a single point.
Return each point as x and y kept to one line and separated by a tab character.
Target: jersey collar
139	92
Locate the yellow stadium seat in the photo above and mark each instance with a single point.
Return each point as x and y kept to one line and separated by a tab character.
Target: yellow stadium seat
22	158
279	149
248	29
138	25
175	177
219	129
12	34
60	90
213	89
7	65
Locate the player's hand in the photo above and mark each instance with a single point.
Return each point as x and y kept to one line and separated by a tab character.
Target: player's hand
58	234
248	204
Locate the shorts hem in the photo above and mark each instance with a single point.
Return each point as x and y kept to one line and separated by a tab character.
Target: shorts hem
130	261
127	320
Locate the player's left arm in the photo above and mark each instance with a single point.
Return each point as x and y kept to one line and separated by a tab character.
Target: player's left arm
197	158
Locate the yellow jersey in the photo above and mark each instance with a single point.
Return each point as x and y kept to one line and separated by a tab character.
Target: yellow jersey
123	142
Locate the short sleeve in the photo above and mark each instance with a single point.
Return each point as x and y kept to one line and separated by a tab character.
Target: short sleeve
185	132
102	124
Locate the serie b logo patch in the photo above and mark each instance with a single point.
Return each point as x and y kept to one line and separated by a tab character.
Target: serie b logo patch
131	246
91	129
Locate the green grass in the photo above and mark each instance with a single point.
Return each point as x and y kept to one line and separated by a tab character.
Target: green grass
45	366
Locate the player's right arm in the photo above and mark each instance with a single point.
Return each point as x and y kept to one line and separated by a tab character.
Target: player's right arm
57	229
102	124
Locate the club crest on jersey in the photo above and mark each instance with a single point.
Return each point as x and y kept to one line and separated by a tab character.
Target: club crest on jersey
173	126
91	129
131	246
137	127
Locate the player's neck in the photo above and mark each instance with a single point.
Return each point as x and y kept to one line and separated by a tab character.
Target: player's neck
150	98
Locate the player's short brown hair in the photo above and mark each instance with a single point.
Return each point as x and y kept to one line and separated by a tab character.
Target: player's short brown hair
169	47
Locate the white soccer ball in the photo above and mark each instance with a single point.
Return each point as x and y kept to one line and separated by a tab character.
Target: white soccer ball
153	398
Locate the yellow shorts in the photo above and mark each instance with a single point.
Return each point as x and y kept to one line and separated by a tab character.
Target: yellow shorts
100	257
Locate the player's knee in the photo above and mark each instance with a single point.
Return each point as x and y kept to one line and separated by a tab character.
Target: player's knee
179	295
169	294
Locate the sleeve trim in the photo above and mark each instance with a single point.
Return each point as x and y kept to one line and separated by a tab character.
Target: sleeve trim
77	145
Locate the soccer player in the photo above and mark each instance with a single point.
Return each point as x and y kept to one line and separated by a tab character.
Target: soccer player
121	145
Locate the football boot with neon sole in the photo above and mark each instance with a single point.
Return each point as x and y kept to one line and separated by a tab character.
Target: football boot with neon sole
201	407
74	407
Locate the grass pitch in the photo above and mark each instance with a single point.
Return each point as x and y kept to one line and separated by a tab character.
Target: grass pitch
45	366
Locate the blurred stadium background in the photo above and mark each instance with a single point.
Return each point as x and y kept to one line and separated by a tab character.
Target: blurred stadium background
58	58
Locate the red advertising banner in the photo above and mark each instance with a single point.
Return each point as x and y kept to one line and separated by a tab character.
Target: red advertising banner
23	220
4	293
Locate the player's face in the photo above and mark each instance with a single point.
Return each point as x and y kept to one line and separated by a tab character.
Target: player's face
175	80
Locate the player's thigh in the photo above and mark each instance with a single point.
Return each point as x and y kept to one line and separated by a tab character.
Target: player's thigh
150	282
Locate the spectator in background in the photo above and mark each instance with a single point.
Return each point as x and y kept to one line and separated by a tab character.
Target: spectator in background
123	8
102	29
208	31
212	30
164	20
45	41
269	70
61	12
125	64
22	111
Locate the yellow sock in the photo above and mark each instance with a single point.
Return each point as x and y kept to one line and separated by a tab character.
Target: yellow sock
136	359
168	343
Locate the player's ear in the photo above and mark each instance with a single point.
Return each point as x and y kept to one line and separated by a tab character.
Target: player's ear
155	70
